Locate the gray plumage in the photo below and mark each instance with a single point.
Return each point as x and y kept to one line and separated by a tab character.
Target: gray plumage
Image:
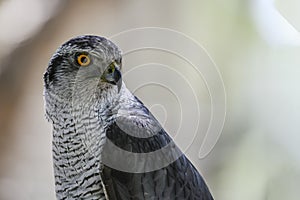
94	114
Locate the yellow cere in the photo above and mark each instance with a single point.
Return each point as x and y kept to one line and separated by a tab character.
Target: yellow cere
112	67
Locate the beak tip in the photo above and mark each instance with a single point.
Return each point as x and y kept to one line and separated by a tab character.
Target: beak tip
119	85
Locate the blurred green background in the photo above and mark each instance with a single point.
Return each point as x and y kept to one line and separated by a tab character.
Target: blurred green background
255	44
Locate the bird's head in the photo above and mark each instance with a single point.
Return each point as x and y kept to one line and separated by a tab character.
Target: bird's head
84	65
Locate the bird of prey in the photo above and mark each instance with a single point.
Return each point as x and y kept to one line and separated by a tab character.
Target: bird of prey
106	143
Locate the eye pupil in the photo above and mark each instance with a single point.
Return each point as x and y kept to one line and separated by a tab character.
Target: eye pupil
83	60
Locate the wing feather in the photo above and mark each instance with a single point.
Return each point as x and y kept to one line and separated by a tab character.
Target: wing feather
178	180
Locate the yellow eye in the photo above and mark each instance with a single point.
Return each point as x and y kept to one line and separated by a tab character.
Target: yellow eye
83	60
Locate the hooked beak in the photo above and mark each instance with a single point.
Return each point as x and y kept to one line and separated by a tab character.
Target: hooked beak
113	76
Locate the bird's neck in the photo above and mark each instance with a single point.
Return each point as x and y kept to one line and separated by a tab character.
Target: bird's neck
78	139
